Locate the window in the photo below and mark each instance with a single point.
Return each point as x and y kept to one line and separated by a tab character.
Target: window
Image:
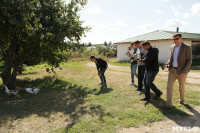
195	48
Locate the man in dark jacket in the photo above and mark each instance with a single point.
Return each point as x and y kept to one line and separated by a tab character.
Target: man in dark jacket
152	69
101	68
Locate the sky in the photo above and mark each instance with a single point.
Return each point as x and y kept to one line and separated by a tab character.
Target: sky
116	20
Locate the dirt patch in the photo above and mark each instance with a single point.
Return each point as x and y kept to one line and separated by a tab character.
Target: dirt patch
193	77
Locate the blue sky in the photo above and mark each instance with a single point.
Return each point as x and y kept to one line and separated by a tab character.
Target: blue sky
115	20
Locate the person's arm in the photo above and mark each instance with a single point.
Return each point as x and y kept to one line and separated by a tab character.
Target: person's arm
150	56
133	55
170	57
97	65
188	60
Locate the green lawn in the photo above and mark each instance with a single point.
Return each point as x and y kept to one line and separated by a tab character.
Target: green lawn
71	101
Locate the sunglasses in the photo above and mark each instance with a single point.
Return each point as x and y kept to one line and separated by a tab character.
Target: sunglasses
176	38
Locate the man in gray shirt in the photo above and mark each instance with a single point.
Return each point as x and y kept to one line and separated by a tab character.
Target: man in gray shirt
141	53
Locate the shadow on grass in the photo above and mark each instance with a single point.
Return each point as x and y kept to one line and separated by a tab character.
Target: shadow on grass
175	114
104	90
56	95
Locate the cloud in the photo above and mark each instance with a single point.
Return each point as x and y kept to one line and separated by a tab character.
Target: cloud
158	20
146	27
173	23
110	27
159	11
165	0
195	9
177	13
186	15
94	10
173	8
120	23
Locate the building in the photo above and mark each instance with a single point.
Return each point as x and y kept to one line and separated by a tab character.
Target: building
161	40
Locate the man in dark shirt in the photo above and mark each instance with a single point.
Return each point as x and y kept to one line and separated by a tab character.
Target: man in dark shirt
101	68
152	69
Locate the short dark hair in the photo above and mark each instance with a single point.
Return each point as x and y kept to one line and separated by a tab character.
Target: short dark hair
146	43
132	43
137	41
92	57
177	34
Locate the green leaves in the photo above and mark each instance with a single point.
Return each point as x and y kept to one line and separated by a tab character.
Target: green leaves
40	27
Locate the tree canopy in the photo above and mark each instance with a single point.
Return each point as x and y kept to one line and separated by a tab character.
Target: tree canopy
37	30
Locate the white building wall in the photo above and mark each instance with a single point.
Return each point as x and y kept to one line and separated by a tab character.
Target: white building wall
163	46
121	50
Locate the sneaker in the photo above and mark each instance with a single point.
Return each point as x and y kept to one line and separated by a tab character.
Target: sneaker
100	84
131	83
105	85
138	89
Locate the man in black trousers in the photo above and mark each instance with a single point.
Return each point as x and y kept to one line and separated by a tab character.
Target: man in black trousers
101	68
152	69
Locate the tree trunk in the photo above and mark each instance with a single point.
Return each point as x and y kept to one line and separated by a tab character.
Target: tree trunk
8	76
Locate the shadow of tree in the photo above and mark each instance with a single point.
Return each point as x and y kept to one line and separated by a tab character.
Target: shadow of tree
56	95
180	117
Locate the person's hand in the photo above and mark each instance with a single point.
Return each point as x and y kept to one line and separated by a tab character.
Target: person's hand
167	63
140	60
127	53
181	75
99	73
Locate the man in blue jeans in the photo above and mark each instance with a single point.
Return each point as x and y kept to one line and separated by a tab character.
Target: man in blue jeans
152	69
133	61
101	68
141	53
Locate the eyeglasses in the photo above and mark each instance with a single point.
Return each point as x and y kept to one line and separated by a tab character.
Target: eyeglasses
176	38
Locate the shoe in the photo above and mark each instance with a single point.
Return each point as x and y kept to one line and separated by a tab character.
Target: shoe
165	106
100	84
135	85
105	85
131	83
158	96
181	103
145	99
138	89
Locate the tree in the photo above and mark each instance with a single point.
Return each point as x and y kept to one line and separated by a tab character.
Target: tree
105	44
89	44
37	31
109	44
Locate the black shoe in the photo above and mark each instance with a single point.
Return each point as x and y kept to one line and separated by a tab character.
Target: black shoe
145	99
138	89
104	85
158	96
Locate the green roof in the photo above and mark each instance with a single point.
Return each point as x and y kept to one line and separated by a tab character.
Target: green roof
160	35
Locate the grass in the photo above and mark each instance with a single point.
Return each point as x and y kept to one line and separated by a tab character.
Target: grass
120	63
71	101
